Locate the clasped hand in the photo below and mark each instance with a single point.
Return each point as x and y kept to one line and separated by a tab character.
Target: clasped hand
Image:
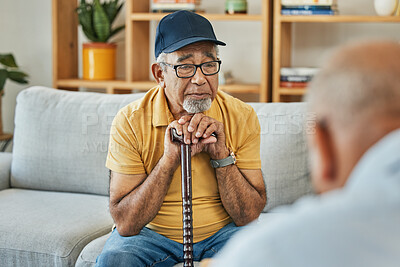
196	130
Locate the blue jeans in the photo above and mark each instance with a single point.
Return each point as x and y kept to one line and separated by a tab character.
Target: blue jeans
152	249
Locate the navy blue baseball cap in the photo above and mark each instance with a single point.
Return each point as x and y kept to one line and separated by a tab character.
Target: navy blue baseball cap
182	28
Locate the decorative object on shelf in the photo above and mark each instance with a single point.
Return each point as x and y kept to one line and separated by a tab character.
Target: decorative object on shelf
397	13
174	5
9	70
385	7
96	20
236	7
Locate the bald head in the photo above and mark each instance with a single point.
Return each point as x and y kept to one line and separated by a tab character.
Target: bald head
356	99
360	81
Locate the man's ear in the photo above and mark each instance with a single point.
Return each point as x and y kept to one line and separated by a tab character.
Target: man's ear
158	74
324	159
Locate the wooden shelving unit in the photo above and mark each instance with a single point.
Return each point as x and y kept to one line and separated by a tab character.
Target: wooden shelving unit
137	43
282	32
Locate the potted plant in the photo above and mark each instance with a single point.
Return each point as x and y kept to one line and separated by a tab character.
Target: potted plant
9	70
96	20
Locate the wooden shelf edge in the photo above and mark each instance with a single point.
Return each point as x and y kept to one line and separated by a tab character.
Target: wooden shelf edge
5	136
240	88
146	85
158	16
292	91
339	18
114	84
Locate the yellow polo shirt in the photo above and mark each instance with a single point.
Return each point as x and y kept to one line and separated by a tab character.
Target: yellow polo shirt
137	144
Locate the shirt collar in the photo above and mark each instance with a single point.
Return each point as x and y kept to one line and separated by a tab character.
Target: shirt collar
162	116
380	161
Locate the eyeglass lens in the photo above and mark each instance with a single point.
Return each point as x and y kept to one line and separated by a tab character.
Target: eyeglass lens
208	68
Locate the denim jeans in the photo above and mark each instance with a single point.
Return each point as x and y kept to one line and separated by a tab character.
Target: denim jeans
152	249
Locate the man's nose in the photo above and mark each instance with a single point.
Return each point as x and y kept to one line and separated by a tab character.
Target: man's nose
199	78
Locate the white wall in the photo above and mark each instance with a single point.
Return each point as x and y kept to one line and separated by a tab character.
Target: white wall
25	30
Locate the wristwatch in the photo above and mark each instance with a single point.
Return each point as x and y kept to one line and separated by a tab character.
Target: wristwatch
219	163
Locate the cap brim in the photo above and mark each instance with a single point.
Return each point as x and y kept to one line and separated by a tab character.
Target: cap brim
188	41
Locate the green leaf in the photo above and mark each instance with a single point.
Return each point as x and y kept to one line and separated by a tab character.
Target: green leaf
3	78
8	60
112	9
85	13
18	76
116	30
102	26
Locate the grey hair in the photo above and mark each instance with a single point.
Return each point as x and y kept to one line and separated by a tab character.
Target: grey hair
359	81
162	57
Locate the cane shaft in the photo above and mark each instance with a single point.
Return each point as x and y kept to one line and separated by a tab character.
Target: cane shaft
186	167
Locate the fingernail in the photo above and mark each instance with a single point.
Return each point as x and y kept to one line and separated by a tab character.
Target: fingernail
195	141
187	141
190	129
181	121
198	134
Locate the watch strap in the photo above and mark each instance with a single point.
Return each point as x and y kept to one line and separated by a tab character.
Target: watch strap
219	163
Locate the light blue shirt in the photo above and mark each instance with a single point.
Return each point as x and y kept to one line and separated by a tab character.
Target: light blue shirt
358	225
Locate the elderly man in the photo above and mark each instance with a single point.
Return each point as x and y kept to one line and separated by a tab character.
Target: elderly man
145	199
355	165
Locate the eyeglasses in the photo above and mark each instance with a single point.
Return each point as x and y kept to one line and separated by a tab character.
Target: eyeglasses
189	70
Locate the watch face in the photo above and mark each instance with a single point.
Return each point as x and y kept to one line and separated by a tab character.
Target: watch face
234	157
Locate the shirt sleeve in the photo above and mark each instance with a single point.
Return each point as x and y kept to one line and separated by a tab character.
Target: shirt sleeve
248	150
123	151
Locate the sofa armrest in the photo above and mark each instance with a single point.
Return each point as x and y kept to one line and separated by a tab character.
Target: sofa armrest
5	170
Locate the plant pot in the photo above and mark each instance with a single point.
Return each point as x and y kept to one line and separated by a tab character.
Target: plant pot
99	61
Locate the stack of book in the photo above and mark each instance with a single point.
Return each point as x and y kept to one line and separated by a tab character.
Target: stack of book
309	7
174	5
296	77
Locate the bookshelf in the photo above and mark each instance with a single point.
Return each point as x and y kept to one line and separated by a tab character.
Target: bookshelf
282	42
137	49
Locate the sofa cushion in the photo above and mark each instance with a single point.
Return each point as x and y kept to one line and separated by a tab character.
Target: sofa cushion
48	227
284	151
61	139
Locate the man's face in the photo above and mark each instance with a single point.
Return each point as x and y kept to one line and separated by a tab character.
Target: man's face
195	93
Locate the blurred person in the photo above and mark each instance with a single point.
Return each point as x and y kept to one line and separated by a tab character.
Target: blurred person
355	166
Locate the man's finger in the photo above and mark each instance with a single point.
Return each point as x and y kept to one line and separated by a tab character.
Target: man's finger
184	119
209	140
194	122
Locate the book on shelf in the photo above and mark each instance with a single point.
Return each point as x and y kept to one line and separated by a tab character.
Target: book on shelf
297	75
307	12
296	78
308	7
293	84
308	2
174	5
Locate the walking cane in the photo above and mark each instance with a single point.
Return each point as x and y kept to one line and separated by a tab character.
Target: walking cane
186	167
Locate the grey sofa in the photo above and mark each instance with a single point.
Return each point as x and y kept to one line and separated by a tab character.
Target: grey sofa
54	186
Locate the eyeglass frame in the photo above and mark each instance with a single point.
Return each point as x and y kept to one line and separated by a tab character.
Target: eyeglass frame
175	67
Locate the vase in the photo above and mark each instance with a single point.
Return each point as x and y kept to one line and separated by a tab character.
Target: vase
385	7
99	61
236	7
